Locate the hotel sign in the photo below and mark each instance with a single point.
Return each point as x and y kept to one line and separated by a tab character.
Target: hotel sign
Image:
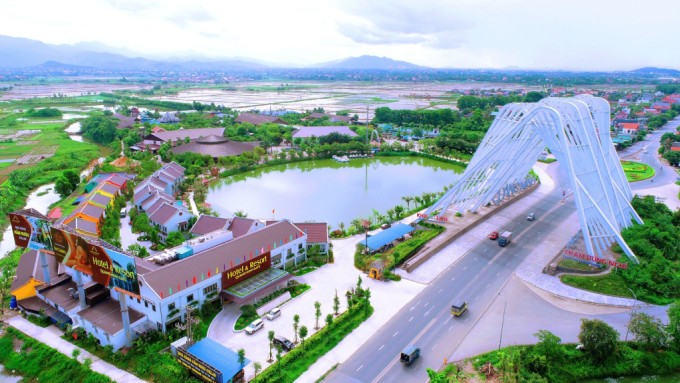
246	270
201	369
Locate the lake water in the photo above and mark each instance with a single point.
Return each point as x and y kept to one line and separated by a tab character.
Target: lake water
329	191
646	379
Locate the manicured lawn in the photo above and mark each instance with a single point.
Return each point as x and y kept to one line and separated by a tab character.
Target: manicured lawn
243	321
609	284
304	270
636	171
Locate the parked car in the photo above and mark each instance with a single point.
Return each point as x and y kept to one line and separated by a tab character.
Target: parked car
253	327
531	216
385	226
285	344
275	312
493	235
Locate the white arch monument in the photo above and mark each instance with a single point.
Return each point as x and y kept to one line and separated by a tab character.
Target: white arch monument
576	130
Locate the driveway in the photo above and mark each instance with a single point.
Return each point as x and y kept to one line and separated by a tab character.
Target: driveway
386	297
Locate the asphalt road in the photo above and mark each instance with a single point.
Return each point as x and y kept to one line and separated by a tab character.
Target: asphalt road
427	322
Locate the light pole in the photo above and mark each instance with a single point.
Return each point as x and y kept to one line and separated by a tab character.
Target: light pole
500	339
630	318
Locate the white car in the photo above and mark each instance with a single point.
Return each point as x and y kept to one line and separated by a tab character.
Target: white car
275	312
256	325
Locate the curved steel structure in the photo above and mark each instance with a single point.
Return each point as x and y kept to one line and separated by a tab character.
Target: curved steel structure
576	130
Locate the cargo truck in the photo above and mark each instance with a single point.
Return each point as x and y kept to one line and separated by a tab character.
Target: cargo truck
504	238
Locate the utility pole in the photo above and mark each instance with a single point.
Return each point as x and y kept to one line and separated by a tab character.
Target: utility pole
500	339
630	317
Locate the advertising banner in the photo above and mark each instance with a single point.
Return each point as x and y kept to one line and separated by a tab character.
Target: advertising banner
71	250
113	269
203	370
245	270
31	232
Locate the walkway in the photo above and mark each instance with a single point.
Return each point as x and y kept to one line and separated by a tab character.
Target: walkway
192	203
52	337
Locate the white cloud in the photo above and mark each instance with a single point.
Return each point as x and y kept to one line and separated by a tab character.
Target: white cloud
573	34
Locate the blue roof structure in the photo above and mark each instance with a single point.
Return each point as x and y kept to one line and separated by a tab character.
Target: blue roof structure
223	359
381	239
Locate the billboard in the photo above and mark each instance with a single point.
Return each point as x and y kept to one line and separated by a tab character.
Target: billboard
245	270
71	250
31	232
203	370
113	269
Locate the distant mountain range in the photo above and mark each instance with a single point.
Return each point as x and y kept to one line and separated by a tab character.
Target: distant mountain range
17	52
657	71
368	62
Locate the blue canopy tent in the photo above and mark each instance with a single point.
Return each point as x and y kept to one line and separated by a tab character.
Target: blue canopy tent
385	237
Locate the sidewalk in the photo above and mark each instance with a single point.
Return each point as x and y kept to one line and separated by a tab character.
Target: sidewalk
51	337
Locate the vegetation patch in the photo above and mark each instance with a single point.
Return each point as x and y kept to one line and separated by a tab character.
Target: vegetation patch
547	160
609	284
636	171
38	362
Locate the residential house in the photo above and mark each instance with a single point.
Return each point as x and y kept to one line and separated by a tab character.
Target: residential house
317	234
154	140
331	117
169	118
631	128
675	147
124	122
215	147
168	218
258	119
320	131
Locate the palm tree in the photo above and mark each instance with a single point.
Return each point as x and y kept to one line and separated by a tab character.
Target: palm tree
270	336
390	214
398	210
408	200
342	227
357	225
418	200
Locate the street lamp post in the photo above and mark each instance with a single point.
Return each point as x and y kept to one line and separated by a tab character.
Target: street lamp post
500	339
630	318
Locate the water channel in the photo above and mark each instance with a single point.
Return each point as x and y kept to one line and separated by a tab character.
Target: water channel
329	191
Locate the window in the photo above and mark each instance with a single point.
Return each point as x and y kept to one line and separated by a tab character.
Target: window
290	251
138	301
153	307
210	288
171	306
276	258
299	246
146	304
190	297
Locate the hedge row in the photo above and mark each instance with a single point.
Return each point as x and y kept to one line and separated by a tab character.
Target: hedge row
292	365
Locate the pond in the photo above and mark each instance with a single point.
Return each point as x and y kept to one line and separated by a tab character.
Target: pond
646	379
329	191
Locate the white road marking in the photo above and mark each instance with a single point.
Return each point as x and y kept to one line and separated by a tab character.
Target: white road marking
464	268
440	290
410	319
426	303
381	347
499	273
453	279
434	347
447	320
395	334
450	328
360	367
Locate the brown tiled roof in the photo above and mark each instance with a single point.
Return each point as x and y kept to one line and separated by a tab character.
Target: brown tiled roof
116	179
220	149
258	119
177	167
100	199
171	171
181	134
30	267
164	213
218	258
150	209
106	315
207	224
317	232
320	131
89	210
240	226
143	191
157	129
109	188
83	224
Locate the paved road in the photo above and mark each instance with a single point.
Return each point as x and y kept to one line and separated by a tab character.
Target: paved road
426	322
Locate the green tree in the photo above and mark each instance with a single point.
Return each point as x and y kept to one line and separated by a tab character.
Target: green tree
241	357
63	187
303	334
336	303
296	324
398	210
257	367
100	129
72	177
437	377
329	320
598	338
270	336
649	332
240	213
534	96
408	200
175	238
549	345
317	313
673	328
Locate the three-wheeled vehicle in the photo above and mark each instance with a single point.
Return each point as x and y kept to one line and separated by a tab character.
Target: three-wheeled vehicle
409	354
457	309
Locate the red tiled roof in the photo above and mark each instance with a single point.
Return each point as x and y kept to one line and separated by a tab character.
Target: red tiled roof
164	213
240	226
317	232
629	125
218	258
206	224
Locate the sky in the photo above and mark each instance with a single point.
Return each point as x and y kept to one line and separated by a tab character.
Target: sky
532	34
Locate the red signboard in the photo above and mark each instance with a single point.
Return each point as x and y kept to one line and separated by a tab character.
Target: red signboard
591	258
245	270
21	229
